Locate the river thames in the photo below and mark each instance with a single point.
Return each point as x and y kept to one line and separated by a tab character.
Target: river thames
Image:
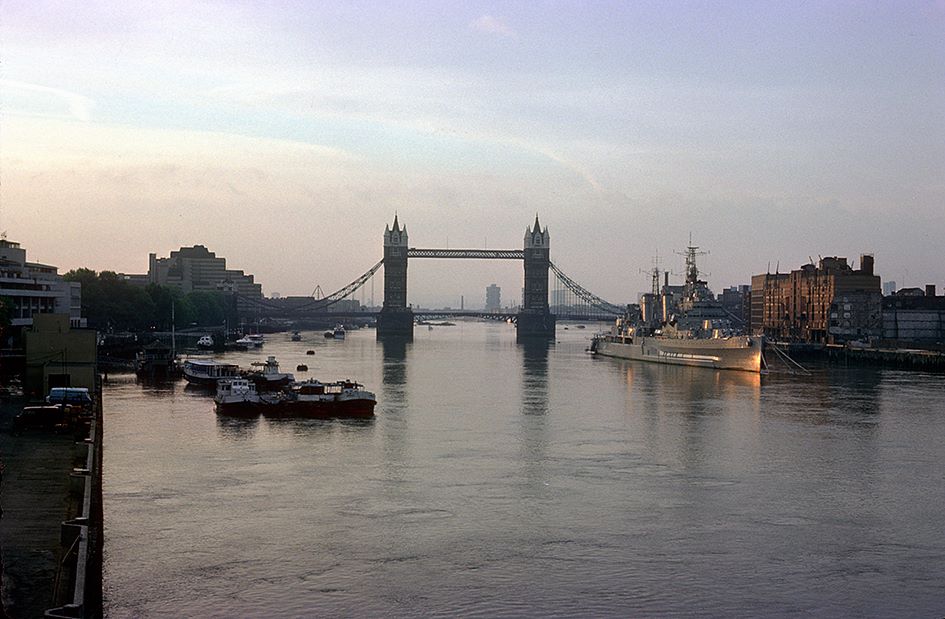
507	480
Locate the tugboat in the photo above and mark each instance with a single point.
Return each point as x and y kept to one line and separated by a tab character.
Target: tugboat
695	330
296	336
339	332
237	397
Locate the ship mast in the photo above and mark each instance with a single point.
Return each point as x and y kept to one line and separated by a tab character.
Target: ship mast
654	274
692	271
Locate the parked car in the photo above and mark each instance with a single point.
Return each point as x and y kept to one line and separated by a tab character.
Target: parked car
59	418
78	396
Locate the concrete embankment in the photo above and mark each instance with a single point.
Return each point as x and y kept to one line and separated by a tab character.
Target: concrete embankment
51	531
901	358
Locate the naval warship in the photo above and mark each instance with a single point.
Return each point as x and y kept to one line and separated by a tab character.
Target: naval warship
689	328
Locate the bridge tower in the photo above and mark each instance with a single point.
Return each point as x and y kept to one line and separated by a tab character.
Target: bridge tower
395	317
535	319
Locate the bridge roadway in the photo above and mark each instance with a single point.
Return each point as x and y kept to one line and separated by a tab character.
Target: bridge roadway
455	313
477	254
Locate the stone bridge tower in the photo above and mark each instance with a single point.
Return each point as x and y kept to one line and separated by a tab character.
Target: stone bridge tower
535	319
395	317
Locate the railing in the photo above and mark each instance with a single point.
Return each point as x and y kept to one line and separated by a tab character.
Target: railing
81	563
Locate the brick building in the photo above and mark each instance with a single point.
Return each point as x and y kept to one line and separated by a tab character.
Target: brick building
828	303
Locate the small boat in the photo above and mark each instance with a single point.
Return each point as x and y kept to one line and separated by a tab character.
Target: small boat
301	368
237	397
205	342
208	371
268	377
339	332
156	360
296	336
309	352
257	339
244	343
329	334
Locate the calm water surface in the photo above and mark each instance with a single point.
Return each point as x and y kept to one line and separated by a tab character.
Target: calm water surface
502	480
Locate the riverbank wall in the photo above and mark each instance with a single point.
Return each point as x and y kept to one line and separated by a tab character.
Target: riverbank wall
899	358
926	360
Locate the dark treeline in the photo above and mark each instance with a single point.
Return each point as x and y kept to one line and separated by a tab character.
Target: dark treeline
110	303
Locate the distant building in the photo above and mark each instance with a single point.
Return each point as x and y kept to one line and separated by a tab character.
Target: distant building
196	268
493	298
889	288
735	302
914	317
31	288
827	303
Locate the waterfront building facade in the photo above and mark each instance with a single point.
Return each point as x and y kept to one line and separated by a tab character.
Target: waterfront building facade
828	303
917	320
196	268
31	288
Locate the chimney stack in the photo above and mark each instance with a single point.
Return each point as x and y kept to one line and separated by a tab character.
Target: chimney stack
866	264
930	290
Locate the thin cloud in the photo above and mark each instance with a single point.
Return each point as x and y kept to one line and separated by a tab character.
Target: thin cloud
491	25
79	106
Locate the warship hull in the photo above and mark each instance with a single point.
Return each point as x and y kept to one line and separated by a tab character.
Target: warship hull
735	353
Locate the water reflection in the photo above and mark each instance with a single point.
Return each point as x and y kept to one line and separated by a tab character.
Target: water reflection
535	377
848	398
156	386
237	428
675	388
289	426
393	402
534	421
687	414
394	368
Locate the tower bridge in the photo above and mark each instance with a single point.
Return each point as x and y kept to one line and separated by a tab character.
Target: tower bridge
535	319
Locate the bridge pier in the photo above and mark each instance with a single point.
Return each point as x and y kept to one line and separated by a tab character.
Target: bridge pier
395	323
535	320
535	324
395	318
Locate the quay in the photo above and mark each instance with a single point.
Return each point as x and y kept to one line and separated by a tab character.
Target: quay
901	358
51	534
891	356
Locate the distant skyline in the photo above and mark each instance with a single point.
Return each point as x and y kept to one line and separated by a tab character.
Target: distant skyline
284	136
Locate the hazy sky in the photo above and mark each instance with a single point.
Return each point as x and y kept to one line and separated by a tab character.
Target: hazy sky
285	135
